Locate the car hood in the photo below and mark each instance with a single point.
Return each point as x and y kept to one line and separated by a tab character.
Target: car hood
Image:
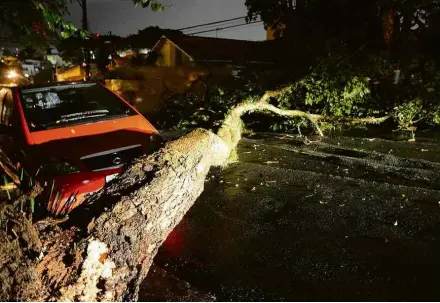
73	149
133	123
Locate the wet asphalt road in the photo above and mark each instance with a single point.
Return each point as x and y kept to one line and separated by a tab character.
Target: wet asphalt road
340	219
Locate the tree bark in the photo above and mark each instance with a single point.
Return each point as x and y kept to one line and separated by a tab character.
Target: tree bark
105	249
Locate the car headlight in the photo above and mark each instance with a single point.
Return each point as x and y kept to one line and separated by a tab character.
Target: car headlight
56	166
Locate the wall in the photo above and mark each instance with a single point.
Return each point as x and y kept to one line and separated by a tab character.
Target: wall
28	69
172	56
166	55
55	60
71	74
74	73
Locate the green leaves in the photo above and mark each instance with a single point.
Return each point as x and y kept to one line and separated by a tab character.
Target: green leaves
406	113
35	22
55	22
333	94
155	5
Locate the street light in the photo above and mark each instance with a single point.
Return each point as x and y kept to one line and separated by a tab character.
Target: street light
11	74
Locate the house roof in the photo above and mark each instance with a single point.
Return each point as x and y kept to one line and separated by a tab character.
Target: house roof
204	49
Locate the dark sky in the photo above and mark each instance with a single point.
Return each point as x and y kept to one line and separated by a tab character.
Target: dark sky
121	17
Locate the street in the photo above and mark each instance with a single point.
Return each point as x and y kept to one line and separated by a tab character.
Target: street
344	218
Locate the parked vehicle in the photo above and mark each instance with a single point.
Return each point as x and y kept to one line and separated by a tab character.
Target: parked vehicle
71	137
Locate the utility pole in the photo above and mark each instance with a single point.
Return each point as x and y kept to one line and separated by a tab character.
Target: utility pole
86	51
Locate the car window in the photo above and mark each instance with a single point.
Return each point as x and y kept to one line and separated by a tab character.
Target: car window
73	104
7	106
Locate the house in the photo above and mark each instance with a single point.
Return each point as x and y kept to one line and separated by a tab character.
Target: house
28	69
192	51
274	32
55	59
32	67
9	60
74	73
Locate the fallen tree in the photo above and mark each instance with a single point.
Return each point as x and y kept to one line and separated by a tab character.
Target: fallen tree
105	249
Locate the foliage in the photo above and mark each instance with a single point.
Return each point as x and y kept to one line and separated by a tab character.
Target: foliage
32	22
44	76
29	52
206	103
404	28
338	94
36	22
407	113
155	5
359	87
322	26
7	52
419	98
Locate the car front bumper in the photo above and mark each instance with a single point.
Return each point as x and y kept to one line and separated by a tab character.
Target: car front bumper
64	193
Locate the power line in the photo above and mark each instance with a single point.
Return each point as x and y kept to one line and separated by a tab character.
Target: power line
223	28
250	25
211	23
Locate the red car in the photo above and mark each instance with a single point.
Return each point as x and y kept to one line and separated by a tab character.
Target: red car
71	137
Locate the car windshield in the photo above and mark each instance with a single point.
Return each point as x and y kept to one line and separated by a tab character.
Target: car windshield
73	104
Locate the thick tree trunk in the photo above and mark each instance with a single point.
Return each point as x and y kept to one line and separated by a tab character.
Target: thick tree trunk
107	257
105	249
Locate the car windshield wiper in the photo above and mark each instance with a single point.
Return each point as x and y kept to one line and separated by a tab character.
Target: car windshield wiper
76	117
85	114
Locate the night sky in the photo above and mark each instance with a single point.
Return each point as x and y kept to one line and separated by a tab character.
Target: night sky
121	17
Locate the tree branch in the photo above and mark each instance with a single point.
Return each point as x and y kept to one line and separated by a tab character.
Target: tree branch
9	168
231	129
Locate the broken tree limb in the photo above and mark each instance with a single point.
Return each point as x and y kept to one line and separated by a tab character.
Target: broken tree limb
7	166
32	193
231	129
350	120
105	250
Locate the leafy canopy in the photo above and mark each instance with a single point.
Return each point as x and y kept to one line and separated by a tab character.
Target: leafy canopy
32	22
332	25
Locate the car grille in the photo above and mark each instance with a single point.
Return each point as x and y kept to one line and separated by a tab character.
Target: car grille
112	158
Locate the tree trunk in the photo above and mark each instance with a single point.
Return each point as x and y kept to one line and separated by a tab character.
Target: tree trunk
105	249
